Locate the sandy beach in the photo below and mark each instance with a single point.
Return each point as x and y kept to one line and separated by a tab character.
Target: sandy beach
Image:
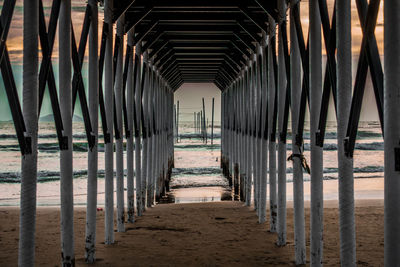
201	234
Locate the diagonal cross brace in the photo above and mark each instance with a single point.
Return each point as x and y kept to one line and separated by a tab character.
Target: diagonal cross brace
24	141
5	20
117	44
128	54
77	81
362	69
46	74
305	95
330	71
374	61
283	133
104	34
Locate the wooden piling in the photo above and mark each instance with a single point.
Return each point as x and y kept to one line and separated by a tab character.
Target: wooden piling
298	187
316	222
26	246
66	173
109	147
119	149
90	239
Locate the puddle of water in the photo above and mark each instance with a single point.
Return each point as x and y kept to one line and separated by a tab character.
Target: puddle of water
197	176
198	194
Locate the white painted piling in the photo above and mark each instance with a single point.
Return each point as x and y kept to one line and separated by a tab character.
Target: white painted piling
264	134
145	126
91	208
158	139
252	129
138	106
119	146
392	132
345	164
315	54
235	146
248	136
298	186
129	142
27	222
66	173
257	139
272	143
242	164
150	133
109	147
281	229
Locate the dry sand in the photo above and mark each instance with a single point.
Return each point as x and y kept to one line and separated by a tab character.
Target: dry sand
202	234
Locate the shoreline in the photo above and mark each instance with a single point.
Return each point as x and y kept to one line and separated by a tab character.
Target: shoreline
364	188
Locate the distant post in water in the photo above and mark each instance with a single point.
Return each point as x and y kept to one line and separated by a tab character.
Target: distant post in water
198	122
201	124
174	118
194	122
204	123
177	122
212	123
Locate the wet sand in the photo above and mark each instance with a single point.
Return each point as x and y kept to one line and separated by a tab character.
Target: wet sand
201	234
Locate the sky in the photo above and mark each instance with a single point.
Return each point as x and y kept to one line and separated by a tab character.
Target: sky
14	40
14	44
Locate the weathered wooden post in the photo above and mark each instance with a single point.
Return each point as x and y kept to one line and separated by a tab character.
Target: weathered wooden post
345	163
91	207
271	115
109	147
281	143
129	142
316	224
119	149
138	146
66	183
298	187
26	251
392	132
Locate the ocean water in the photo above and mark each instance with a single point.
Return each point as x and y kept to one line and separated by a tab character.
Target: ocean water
195	178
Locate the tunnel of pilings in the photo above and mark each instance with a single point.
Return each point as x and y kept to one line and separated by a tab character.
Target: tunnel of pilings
266	66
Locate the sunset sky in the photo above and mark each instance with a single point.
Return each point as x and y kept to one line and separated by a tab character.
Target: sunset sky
14	40
14	43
